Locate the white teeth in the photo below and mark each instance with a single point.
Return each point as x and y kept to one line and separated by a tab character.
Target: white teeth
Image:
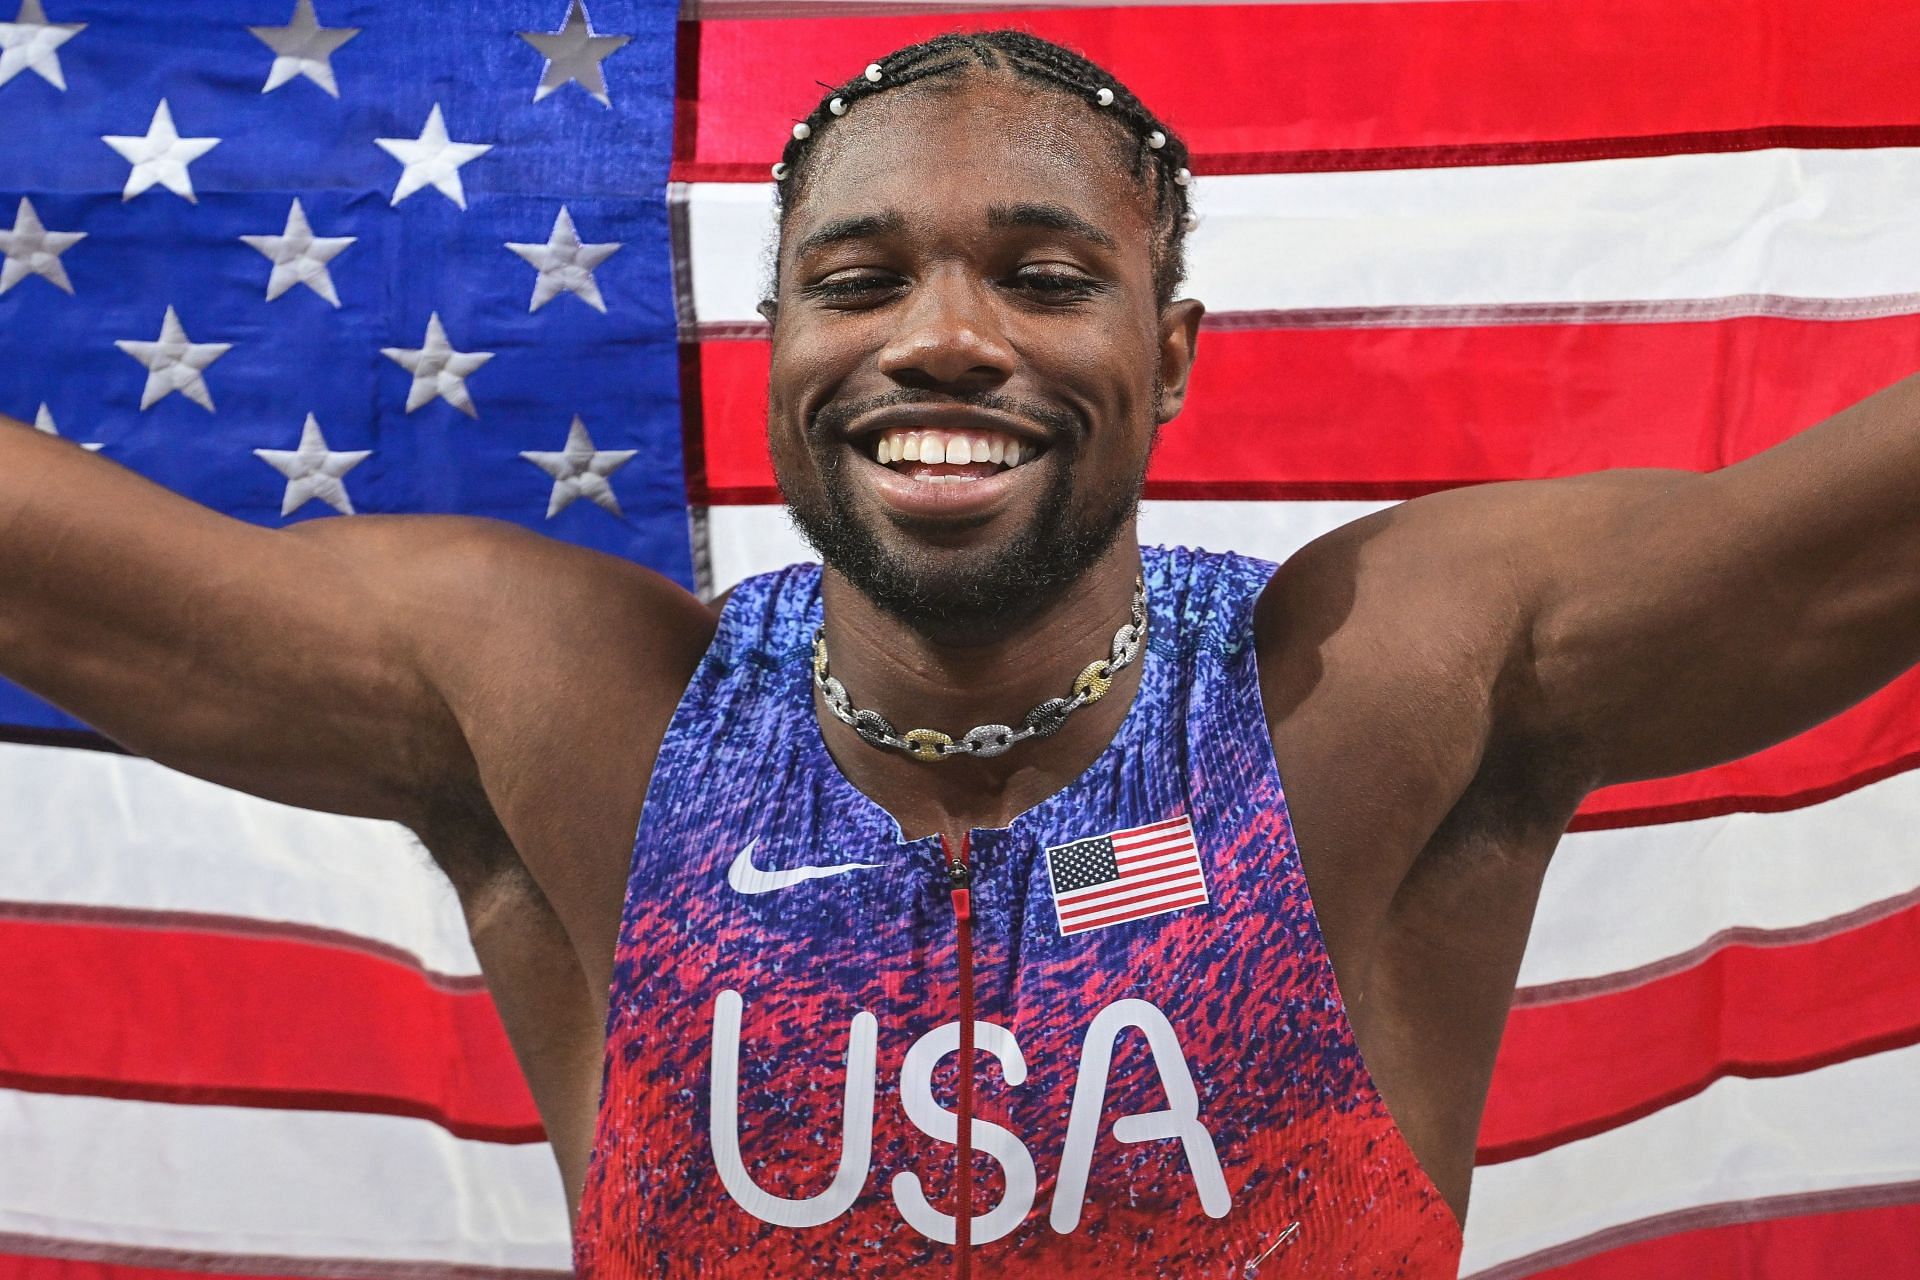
951	448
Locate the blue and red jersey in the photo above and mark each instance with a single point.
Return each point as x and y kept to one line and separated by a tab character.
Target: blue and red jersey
1174	1093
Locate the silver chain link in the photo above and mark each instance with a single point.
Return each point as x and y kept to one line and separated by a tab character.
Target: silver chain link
1043	721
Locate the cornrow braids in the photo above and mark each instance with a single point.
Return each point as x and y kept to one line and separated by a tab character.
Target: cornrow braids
1159	163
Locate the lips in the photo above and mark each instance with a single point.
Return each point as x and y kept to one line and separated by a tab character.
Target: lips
947	461
967	491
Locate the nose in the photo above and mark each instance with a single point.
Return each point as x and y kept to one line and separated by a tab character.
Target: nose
949	338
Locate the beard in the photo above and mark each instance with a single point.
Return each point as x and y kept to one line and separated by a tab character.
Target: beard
971	596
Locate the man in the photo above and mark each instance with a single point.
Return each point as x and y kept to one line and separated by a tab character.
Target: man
849	933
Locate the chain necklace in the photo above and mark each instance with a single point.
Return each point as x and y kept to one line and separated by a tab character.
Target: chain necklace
1043	721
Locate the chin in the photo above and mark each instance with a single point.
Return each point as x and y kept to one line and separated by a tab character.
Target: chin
964	585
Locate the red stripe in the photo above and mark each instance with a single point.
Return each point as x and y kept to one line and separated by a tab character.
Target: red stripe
1882	1242
1211	72
211	1018
1366	411
1136	833
1573	1069
28	1257
17	1266
1096	906
1153	845
1153	909
1154	863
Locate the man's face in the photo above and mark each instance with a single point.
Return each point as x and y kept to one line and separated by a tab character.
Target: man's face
966	291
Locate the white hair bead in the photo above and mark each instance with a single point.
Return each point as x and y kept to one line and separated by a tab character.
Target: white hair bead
1104	97
1191	221
838	107
1181	177
1156	140
802	131
873	72
779	173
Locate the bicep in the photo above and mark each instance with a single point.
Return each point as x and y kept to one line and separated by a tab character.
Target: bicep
278	662
1682	620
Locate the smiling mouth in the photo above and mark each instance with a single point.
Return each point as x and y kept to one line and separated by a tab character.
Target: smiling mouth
934	456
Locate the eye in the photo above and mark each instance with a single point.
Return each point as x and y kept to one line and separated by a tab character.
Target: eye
1056	283
851	286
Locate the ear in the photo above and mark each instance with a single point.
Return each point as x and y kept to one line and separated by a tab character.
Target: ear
1179	333
768	309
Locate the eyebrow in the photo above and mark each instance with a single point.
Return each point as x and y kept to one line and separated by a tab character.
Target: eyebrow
863	226
1050	217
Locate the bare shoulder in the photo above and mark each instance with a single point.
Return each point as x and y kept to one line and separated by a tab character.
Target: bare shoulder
561	666
1392	651
1449	583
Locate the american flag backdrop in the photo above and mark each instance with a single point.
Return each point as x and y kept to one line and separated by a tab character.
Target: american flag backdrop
296	260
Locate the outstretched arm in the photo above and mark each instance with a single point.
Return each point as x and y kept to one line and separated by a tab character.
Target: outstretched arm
1678	620
335	664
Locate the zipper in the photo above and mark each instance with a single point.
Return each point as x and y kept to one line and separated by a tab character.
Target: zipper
960	886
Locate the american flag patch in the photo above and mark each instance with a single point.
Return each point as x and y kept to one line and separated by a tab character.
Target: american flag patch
1126	875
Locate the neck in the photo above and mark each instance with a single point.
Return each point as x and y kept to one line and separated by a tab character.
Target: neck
918	682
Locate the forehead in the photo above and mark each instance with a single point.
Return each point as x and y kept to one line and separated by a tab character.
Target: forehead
950	150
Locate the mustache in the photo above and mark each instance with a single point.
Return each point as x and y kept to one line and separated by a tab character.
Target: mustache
838	416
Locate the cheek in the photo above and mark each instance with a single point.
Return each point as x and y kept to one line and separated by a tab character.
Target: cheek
1116	374
804	374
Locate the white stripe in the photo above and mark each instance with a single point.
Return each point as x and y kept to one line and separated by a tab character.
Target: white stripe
1081	899
1850	1125
745	540
1131	856
236	1180
1616	900
1145	907
86	828
1135	869
1160	839
1814	224
1106	895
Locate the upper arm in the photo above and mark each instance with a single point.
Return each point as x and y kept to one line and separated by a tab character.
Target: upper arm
1677	619
333	664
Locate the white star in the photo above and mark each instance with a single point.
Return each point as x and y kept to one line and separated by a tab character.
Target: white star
432	159
302	48
313	470
28	43
580	470
565	265
43	421
161	156
32	250
438	370
300	257
175	364
574	53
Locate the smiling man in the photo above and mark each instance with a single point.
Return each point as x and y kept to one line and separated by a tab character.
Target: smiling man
975	839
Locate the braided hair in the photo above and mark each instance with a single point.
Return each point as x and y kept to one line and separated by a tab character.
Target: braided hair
1159	163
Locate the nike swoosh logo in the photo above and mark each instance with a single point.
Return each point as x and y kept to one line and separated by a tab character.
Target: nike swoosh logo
744	877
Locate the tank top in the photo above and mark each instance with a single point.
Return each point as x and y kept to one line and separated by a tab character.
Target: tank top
1165	1082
